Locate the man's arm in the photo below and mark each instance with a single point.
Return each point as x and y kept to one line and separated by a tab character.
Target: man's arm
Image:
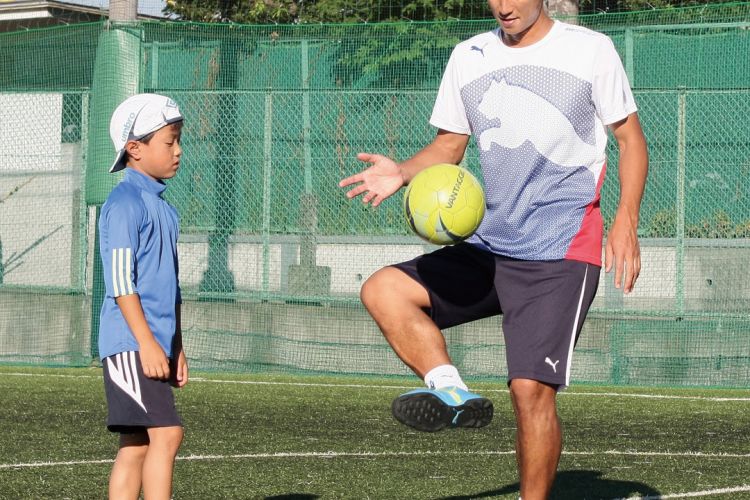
384	177
622	250
153	359
446	147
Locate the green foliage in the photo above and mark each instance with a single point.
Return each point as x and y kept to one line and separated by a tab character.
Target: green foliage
441	10
395	56
639	13
331	11
324	11
720	226
372	11
252	12
662	225
598	6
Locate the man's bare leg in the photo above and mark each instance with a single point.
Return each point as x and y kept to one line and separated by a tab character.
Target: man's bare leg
397	304
538	438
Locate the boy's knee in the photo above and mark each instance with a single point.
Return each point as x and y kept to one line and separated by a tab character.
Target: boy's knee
174	436
133	448
166	437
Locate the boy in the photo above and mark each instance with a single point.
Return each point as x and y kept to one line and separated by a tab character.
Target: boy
140	340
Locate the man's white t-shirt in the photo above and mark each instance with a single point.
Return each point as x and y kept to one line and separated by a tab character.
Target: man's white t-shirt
539	115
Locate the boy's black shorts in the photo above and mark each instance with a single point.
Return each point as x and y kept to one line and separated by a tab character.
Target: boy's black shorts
136	402
543	303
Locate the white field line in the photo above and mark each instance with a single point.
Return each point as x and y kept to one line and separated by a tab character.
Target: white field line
379	454
331	454
402	387
691	494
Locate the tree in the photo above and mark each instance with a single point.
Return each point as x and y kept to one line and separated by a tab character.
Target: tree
562	8
371	11
324	11
238	11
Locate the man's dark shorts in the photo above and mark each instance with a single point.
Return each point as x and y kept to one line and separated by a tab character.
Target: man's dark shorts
543	303
136	402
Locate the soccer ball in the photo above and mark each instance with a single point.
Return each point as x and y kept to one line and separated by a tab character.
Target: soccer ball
444	204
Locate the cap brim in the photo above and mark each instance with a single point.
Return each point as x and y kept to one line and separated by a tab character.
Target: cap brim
119	162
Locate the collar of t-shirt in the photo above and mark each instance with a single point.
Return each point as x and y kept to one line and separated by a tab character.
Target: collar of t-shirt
550	35
144	182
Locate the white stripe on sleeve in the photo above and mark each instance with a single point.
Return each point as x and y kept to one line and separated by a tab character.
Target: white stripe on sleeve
116	290
121	268
127	271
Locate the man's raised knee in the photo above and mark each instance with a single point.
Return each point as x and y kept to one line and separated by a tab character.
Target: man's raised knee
376	286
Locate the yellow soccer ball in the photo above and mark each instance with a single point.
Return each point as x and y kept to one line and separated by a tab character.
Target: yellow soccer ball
444	204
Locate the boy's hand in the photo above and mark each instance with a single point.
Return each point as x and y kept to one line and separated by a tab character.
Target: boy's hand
179	370
154	361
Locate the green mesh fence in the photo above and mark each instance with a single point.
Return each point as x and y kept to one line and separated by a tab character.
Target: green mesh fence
272	254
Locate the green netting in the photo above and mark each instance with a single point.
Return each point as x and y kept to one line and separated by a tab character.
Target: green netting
272	254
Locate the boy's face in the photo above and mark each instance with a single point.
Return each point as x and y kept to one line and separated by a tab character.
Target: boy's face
523	22
160	157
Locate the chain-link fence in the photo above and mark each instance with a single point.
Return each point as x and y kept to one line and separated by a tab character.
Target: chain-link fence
272	254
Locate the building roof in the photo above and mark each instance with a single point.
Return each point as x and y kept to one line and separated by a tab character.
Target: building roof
27	14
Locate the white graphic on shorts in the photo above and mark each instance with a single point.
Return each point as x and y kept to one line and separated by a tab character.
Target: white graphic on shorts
553	365
124	375
557	141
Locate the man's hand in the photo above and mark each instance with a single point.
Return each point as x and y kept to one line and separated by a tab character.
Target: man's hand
154	361
623	252
377	182
384	177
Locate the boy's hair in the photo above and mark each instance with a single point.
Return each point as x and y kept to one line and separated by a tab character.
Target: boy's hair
145	140
137	118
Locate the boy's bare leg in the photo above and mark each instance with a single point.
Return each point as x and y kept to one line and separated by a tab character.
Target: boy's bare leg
538	437
159	463
396	302
125	478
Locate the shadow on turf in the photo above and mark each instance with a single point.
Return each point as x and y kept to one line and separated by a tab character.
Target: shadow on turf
293	496
576	485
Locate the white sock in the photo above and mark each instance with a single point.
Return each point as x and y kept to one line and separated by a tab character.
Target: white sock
444	376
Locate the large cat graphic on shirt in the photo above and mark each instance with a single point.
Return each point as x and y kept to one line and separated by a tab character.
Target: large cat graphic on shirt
517	115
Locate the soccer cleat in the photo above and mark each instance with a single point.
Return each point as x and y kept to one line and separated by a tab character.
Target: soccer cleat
431	410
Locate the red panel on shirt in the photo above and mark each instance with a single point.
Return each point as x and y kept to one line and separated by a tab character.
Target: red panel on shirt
586	245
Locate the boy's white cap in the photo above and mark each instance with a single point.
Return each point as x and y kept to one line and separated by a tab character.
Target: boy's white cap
136	117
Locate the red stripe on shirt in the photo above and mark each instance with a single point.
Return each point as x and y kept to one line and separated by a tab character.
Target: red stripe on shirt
586	245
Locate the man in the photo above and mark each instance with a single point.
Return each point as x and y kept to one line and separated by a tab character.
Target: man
538	95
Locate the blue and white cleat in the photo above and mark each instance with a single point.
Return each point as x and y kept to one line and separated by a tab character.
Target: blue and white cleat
431	410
